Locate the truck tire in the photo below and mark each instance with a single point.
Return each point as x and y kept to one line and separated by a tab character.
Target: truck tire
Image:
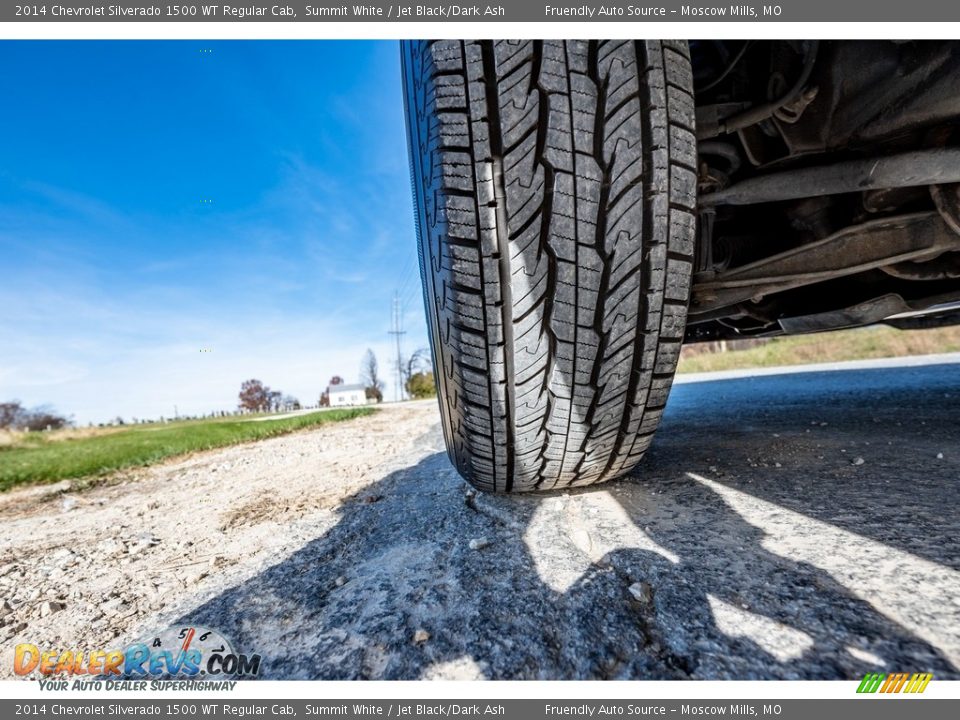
555	186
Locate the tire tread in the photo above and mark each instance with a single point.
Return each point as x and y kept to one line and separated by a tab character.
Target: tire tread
555	188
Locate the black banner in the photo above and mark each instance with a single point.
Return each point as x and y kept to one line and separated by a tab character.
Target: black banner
513	11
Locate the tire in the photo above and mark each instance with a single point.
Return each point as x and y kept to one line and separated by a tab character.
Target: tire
554	185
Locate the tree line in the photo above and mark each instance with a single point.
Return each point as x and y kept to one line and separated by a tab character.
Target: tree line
416	375
14	416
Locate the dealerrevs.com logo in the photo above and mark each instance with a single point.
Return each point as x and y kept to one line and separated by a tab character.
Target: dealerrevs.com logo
177	652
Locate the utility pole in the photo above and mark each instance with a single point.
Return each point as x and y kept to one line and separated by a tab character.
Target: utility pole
396	329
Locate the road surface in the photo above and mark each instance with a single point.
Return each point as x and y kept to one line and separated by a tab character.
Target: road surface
793	525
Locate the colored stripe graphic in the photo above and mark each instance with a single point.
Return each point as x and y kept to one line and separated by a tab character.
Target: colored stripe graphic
918	682
870	683
894	683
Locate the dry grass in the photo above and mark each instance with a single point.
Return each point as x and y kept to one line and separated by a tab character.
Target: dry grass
859	344
18	437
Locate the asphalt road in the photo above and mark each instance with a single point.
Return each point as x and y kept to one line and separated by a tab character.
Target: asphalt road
797	525
792	525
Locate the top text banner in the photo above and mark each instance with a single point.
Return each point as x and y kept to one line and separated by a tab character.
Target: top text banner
509	11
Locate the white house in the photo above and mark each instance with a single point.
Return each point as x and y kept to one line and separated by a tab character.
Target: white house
341	395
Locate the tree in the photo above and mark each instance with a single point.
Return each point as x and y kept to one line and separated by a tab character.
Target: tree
274	399
257	397
336	380
13	416
421	385
417	362
370	378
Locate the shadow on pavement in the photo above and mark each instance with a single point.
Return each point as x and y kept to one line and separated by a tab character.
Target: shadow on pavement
659	576
816	425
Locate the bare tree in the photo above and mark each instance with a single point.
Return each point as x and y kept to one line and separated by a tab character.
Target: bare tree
274	398
417	362
45	418
369	376
13	416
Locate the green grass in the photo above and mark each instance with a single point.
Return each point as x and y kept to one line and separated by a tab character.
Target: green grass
43	457
859	344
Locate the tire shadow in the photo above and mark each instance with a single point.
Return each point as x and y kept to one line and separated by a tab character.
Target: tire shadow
667	576
874	451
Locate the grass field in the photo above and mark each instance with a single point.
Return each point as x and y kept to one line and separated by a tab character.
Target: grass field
47	457
860	344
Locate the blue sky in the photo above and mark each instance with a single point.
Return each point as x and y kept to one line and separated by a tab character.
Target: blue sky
157	199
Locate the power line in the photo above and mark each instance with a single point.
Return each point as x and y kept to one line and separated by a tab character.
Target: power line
403	279
409	296
396	329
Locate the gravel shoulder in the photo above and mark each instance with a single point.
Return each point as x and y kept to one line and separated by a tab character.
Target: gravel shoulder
786	526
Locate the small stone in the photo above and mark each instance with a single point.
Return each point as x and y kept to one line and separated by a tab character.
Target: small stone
49	607
6	608
67	503
62	558
858	461
144	541
479	543
641	592
117	607
420	637
110	546
340	581
939	456
777	465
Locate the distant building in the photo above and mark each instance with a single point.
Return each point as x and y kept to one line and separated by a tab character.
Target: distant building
341	395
